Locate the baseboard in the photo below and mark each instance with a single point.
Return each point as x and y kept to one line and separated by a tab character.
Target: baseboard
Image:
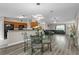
15	43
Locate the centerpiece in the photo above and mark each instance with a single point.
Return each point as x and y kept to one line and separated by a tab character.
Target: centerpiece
38	29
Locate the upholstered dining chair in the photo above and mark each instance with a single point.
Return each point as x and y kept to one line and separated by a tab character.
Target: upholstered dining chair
36	44
47	41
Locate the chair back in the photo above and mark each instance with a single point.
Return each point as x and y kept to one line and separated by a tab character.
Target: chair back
36	39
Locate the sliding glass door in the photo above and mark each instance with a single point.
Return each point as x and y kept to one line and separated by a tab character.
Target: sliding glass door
60	29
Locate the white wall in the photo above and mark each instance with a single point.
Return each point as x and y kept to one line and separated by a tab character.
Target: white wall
77	23
52	26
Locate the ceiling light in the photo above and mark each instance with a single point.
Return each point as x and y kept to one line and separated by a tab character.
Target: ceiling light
20	16
38	16
37	3
23	16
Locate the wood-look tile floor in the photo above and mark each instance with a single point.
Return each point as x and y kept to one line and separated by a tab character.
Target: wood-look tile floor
60	46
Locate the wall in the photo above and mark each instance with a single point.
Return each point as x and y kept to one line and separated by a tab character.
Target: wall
52	26
77	23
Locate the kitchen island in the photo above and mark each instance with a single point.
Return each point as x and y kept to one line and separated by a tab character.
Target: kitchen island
17	36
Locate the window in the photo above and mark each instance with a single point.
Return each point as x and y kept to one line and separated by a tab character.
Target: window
60	27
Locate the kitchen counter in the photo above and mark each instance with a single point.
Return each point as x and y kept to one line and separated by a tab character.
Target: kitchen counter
17	36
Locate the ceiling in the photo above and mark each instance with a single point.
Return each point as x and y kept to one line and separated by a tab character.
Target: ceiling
51	11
